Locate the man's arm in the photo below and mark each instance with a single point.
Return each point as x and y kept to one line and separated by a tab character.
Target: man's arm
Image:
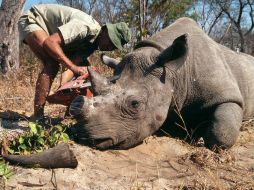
53	46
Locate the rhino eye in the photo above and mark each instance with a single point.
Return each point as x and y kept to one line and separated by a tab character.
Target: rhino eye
134	104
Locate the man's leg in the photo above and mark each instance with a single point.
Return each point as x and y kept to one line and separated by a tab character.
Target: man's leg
66	76
45	79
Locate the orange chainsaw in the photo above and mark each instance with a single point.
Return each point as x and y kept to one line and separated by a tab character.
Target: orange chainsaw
68	91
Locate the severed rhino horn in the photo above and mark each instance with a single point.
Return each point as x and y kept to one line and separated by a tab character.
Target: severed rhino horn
61	156
100	84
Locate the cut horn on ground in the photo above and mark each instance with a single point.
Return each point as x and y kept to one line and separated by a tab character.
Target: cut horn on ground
58	157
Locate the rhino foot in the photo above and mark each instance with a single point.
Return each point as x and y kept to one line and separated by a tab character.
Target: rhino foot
223	130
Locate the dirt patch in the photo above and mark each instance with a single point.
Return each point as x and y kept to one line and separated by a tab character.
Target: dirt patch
158	163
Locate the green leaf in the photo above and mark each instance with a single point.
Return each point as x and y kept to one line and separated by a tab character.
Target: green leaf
42	134
39	128
65	137
59	128
2	167
52	140
56	136
22	146
33	127
41	141
8	174
14	143
29	142
21	140
39	149
10	150
5	172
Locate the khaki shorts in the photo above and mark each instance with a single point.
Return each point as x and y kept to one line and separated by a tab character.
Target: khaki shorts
27	23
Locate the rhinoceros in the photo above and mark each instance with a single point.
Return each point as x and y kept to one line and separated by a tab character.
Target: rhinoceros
178	70
178	75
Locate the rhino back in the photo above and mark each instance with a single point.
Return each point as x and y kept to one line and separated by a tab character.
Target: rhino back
219	75
181	26
212	74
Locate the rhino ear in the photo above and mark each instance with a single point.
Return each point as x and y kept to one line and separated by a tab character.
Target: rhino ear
110	62
177	50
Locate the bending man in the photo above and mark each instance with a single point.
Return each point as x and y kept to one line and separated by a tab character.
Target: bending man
63	35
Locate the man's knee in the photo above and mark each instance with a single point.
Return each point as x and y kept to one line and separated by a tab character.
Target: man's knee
35	40
36	37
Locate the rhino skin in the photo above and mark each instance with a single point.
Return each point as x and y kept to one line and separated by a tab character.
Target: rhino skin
179	68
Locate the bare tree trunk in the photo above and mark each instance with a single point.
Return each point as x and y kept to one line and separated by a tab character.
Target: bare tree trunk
91	7
9	38
242	40
140	20
225	33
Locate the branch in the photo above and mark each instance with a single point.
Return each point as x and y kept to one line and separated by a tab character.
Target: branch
214	22
251	17
208	15
225	33
241	6
228	14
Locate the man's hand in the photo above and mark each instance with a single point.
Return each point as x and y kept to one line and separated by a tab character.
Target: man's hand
79	70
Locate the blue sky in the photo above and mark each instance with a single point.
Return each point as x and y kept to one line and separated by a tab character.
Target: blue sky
29	3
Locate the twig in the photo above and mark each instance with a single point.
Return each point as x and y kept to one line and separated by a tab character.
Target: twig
180	116
165	132
14	98
53	176
158	174
27	184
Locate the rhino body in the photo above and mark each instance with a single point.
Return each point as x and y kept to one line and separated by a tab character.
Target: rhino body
178	70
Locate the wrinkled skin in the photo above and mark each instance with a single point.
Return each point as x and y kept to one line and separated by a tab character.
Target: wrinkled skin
133	103
179	68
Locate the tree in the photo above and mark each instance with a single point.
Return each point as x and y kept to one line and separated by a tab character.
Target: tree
150	16
228	22
9	40
145	17
77	4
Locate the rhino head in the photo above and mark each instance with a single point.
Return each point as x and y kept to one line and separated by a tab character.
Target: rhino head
123	113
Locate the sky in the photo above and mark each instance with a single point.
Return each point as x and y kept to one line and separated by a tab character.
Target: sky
29	3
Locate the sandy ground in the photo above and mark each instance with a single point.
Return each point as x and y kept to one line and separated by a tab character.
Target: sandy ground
158	163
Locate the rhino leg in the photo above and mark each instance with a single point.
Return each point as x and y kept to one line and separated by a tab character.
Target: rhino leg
222	131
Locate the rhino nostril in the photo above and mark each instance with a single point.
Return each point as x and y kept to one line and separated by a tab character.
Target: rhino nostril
96	104
76	105
103	143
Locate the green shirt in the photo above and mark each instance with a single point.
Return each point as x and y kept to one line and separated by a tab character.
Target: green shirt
78	29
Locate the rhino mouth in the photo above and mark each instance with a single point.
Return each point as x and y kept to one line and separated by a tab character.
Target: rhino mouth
102	143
